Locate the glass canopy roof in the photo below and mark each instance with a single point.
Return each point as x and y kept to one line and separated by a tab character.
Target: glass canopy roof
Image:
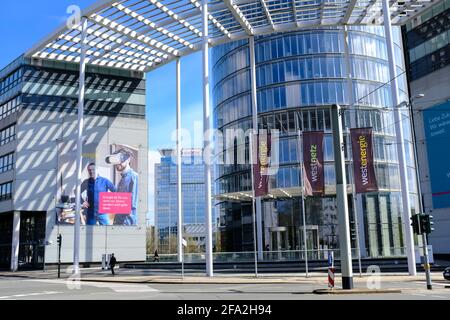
142	35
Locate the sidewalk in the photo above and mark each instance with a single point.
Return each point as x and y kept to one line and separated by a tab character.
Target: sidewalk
142	277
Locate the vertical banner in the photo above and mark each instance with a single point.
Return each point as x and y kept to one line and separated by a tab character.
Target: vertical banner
262	151
363	161
314	180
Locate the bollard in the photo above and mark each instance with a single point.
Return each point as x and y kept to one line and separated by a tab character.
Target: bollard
331	270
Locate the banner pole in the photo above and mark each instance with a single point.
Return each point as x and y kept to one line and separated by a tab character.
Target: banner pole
302	168
355	217
251	147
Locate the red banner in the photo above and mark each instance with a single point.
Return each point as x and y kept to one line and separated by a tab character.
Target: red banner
261	166
363	160
313	174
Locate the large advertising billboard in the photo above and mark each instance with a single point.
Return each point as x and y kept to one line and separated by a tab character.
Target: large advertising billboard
109	189
437	132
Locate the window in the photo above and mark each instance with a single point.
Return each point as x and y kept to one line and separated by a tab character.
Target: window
9	107
7	135
10	82
6	163
6	191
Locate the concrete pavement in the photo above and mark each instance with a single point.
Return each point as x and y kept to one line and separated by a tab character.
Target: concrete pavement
95	284
135	276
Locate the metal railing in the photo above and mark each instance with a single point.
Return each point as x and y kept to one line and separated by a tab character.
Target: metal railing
278	256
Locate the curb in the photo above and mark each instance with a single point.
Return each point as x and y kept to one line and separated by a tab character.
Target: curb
355	291
191	281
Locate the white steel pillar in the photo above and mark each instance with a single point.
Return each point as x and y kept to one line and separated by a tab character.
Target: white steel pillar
179	195
15	242
76	242
353	123
207	148
357	202
259	230
409	239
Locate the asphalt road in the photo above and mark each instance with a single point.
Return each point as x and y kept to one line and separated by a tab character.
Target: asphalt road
13	288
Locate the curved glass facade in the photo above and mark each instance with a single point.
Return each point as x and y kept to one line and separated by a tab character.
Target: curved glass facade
299	76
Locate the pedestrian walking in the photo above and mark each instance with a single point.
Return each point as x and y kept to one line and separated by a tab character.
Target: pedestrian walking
112	264
156	257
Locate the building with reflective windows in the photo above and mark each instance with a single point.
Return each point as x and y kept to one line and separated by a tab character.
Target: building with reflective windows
193	201
38	133
299	76
427	39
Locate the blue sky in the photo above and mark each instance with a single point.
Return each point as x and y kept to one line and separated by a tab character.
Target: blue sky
24	23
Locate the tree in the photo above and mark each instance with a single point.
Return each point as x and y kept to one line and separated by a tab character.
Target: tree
150	240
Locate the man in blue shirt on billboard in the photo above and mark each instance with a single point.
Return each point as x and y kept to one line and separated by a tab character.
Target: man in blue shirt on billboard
91	188
128	184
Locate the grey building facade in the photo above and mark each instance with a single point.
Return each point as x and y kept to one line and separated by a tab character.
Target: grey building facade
38	125
427	39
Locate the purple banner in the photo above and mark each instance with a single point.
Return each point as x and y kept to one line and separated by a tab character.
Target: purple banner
261	166
314	180
363	163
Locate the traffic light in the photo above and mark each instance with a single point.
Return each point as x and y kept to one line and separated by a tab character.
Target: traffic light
59	240
416	224
426	223
353	230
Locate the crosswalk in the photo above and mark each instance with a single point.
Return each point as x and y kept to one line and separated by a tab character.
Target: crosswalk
27	295
116	287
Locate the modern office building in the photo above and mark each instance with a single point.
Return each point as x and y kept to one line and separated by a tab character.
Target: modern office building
299	76
427	39
193	199
38	104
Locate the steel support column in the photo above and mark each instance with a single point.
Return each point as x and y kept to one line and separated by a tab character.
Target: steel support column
207	148
81	92
179	195
15	241
353	124
406	203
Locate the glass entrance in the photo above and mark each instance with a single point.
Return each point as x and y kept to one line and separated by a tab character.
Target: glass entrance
32	240
279	242
5	240
312	242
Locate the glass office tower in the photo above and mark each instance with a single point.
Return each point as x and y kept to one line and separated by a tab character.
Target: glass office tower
299	76
193	203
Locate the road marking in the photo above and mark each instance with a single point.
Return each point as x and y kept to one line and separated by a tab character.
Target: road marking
117	287
433	283
30	294
122	287
440	297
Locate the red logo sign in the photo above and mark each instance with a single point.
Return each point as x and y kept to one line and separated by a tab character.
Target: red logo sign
114	203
